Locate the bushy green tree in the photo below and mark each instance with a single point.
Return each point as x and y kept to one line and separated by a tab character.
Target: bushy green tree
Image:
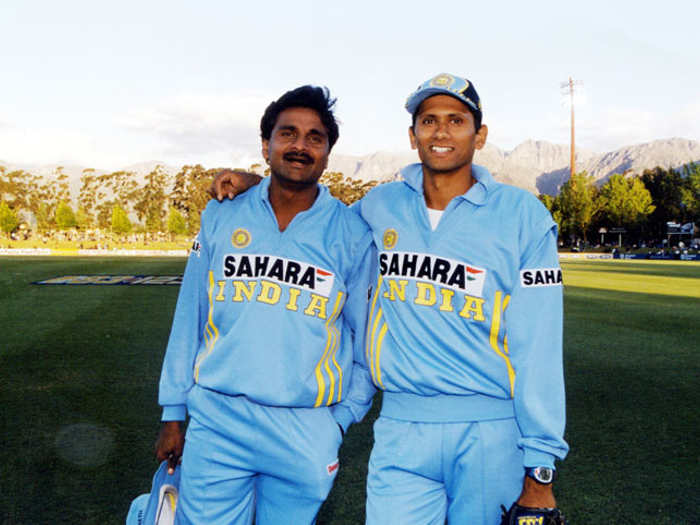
65	218
120	220
150	204
578	203
8	218
61	185
82	219
189	193
90	194
117	188
176	222
15	188
554	206
691	191
625	201
43	213
666	189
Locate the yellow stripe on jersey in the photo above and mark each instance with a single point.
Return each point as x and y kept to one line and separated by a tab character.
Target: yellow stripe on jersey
369	320
373	346
334	347
326	353
337	367
506	301
498	309
211	332
377	368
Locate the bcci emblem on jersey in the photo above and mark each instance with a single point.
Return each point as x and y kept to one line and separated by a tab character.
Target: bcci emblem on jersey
390	238
240	238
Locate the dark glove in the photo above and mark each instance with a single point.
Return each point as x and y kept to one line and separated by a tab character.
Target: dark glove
518	515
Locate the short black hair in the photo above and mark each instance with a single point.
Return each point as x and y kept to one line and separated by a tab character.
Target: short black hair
476	114
312	97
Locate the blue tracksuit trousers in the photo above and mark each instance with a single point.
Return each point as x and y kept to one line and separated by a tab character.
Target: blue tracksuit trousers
242	459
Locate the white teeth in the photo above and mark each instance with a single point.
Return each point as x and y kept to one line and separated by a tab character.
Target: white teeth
439	149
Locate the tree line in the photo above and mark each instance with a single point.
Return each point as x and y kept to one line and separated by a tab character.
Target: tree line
640	205
116	202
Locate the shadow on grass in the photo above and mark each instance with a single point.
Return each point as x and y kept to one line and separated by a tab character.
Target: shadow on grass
631	377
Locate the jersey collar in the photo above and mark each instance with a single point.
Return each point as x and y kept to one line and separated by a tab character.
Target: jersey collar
264	193
477	194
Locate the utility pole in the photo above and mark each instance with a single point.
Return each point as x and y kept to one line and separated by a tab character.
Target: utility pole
568	89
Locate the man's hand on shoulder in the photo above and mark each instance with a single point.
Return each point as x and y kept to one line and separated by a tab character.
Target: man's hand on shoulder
229	183
170	443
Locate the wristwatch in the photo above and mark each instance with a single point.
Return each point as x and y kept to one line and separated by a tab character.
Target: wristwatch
544	475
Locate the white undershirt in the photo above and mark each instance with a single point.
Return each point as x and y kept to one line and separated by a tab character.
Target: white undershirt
434	217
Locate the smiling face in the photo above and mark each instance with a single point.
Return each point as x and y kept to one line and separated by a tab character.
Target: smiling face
298	148
444	135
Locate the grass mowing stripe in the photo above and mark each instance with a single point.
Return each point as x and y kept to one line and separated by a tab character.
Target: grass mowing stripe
679	280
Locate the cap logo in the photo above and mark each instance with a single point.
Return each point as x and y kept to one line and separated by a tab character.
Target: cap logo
240	238
458	87
443	80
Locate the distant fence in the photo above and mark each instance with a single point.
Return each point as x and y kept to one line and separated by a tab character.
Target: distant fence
643	256
585	255
660	257
97	253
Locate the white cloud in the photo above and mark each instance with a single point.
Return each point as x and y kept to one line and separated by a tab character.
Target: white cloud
213	130
47	145
599	129
200	128
613	128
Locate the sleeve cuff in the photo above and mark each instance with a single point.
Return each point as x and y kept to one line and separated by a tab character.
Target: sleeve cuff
537	458
174	413
343	416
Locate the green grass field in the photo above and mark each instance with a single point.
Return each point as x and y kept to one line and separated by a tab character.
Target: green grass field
80	366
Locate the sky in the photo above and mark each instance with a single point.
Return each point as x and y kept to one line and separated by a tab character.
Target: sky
110	84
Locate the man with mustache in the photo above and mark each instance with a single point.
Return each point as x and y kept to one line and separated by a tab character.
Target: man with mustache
266	335
465	330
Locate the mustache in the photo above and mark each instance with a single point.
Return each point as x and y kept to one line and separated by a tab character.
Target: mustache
298	157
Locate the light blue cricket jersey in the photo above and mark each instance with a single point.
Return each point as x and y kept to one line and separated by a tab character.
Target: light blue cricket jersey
466	320
278	317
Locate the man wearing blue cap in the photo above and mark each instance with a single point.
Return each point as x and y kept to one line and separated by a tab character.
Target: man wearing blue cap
465	329
464	334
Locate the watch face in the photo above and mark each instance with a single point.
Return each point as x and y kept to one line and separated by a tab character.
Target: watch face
543	474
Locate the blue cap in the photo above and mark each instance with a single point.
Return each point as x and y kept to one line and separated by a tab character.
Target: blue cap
445	84
158	507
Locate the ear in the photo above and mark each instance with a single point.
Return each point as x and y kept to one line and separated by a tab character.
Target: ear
265	150
412	137
481	135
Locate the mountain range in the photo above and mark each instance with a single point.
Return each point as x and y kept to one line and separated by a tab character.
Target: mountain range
537	166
